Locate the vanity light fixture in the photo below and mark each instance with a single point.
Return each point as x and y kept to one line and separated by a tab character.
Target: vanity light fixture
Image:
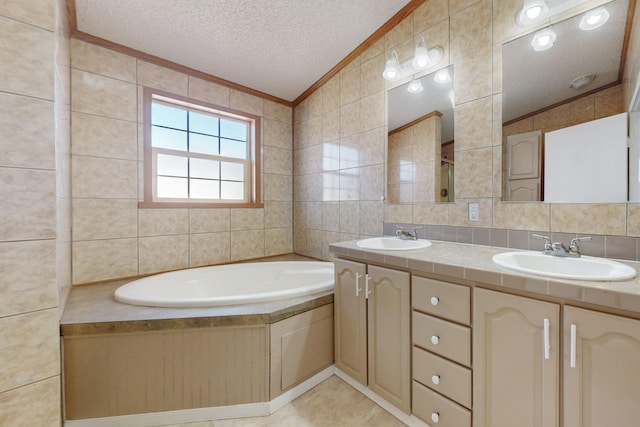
543	39
442	77
415	86
423	58
594	18
532	11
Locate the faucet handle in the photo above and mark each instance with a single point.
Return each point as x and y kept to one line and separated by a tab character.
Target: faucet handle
547	243
574	246
399	229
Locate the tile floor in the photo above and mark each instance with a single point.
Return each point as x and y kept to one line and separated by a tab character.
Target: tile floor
333	403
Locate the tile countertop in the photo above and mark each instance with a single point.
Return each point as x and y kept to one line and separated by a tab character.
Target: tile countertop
473	262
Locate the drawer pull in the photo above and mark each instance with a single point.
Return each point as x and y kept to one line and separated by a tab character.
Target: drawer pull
435	301
435	417
435	339
435	379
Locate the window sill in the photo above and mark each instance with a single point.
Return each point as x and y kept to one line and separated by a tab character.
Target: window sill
170	205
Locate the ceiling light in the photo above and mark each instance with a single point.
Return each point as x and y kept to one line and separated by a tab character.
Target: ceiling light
594	19
415	86
442	76
532	11
421	58
582	81
543	39
391	68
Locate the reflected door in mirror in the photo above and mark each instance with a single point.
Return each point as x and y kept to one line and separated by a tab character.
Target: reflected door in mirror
524	154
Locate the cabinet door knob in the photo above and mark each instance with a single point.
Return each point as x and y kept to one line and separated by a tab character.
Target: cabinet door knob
435	301
435	379
435	340
435	417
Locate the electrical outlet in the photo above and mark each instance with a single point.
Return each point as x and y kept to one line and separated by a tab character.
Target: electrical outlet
474	211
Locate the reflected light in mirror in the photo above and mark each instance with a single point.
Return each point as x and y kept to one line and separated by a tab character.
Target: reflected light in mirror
442	77
594	19
543	40
415	86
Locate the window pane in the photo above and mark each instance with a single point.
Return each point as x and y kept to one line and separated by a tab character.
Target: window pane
234	149
202	168
172	165
203	144
232	171
205	189
232	190
203	123
172	188
168	138
233	130
163	115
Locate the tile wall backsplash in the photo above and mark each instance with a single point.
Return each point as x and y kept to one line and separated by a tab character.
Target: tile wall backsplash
339	136
34	207
112	237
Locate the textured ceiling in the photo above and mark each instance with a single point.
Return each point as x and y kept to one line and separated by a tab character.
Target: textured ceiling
279	47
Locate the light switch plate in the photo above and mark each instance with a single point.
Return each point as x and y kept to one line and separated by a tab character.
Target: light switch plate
474	211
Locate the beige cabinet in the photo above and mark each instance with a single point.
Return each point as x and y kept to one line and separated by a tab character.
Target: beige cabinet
515	361
441	339
601	369
350	319
372	329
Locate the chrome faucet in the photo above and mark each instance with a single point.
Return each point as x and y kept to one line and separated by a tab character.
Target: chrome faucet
559	249
407	235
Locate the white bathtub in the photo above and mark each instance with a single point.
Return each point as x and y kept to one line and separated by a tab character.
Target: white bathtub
229	284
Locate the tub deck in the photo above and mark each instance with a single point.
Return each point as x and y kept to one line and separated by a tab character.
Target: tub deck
92	309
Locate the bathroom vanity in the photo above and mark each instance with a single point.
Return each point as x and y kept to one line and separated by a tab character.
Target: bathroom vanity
484	346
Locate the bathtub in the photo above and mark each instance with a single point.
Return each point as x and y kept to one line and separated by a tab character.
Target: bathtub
230	284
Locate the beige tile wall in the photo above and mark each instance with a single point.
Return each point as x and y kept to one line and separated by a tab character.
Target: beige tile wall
336	118
112	237
34	219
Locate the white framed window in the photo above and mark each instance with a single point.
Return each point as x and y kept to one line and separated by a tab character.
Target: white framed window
198	154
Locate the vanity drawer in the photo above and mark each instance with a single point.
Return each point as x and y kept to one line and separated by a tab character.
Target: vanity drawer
436	410
441	299
443	376
441	337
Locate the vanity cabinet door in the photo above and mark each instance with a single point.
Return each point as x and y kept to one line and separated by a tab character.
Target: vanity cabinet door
350	316
389	310
601	369
515	382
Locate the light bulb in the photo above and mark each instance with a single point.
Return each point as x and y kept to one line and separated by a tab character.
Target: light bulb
594	19
532	11
442	76
391	69
415	87
421	57
543	39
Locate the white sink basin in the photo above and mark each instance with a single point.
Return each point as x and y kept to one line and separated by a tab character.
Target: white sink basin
392	244
583	268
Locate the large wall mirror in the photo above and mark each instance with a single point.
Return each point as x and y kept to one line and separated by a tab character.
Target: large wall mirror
420	163
564	118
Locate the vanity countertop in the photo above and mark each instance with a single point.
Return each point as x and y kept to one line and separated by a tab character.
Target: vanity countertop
467	262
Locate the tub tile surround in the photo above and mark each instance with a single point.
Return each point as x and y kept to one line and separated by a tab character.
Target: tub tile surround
34	201
108	168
